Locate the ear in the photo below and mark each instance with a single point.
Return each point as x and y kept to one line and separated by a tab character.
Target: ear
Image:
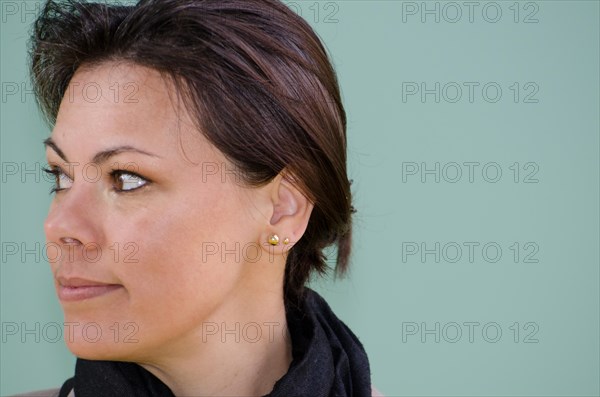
291	211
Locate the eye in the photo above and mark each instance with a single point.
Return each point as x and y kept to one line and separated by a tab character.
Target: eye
61	180
126	181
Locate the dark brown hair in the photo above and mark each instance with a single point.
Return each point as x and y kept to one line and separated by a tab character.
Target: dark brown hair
252	73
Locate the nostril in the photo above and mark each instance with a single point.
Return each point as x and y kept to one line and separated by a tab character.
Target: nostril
69	240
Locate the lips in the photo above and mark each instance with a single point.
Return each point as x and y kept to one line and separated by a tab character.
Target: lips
78	289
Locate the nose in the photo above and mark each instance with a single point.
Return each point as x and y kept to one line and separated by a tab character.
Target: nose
74	218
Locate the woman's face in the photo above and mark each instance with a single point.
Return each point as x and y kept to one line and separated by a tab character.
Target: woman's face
145	257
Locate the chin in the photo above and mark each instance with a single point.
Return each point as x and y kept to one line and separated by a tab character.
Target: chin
93	339
101	350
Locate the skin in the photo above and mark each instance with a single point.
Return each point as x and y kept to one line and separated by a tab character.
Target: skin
175	295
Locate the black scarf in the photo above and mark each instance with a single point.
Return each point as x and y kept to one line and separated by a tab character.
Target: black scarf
328	360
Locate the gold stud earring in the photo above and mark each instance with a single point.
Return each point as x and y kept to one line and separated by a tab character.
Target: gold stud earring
286	240
274	239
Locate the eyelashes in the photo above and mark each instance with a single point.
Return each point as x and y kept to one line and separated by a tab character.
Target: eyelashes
123	181
58	174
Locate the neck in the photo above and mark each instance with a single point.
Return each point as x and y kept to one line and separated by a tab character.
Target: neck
242	349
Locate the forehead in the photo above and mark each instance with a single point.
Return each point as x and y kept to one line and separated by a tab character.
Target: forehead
126	91
122	103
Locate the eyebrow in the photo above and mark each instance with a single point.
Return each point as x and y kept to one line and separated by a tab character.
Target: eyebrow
99	157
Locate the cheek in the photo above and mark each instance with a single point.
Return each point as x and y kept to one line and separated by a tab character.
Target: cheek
170	287
172	265
179	255
167	254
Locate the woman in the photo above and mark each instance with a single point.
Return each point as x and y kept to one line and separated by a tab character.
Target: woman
199	151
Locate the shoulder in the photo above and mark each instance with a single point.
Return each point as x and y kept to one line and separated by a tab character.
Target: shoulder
55	392
44	393
40	393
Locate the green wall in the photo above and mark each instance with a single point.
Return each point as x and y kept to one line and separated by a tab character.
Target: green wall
474	149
